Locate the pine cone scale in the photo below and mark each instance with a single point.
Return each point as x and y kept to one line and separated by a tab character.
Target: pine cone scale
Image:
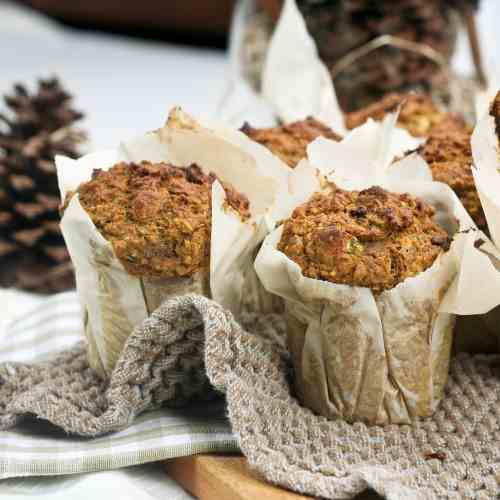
22	183
29	237
40	126
6	248
49	203
30	211
5	218
45	166
57	253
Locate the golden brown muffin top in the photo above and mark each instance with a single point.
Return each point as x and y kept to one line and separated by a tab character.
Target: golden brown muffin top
370	238
289	142
448	152
158	217
419	115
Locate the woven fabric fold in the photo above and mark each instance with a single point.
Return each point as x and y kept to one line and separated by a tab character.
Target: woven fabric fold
191	341
162	364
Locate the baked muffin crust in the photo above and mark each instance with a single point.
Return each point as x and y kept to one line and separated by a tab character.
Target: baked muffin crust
157	216
371	238
289	142
418	115
449	155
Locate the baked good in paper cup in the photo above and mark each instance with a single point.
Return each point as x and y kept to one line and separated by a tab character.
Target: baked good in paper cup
373	268
180	210
358	353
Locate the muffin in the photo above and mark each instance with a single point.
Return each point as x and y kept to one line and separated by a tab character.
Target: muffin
448	153
363	274
370	238
154	226
289	142
178	210
418	114
157	216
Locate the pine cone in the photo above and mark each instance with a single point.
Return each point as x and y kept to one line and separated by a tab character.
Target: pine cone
39	126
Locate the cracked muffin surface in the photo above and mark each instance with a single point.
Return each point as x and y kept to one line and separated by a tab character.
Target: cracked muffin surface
289	142
158	217
419	115
370	238
448	153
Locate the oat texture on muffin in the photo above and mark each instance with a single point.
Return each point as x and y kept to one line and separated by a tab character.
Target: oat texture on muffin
156	216
289	142
418	115
448	153
370	238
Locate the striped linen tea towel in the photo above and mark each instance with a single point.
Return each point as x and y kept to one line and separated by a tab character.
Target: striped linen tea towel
32	328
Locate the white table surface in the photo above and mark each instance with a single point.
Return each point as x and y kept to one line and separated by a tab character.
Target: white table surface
144	482
126	87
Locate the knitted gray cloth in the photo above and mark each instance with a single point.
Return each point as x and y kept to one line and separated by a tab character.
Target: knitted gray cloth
455	454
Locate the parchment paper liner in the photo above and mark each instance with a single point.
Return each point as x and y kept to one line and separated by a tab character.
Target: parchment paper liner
114	301
294	80
381	359
486	153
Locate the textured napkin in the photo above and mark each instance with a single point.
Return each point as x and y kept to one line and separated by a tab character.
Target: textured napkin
454	454
65	391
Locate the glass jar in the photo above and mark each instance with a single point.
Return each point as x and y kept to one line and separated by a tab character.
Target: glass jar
374	48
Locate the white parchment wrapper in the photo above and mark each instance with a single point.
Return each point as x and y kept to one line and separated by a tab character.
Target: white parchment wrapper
377	358
486	171
114	301
240	102
295	81
484	96
486	154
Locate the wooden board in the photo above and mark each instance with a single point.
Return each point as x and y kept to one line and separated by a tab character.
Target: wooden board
224	477
228	477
